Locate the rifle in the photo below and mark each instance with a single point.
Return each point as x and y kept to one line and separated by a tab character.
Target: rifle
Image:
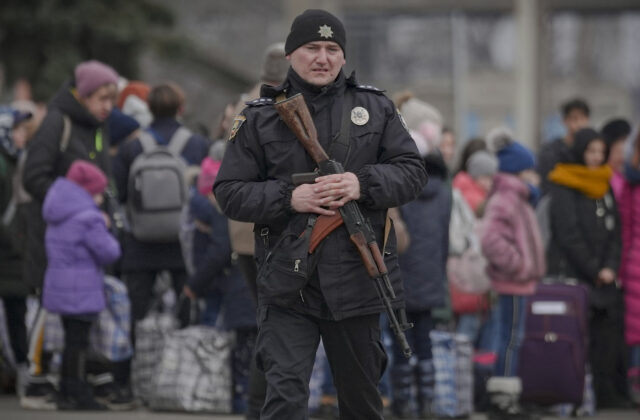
295	114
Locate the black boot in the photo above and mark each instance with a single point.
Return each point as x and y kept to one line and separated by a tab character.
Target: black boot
76	394
607	397
401	382
426	388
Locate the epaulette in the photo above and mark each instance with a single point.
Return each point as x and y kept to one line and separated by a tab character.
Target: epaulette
370	88
260	102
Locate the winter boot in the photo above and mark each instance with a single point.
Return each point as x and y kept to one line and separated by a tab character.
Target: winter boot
426	388
504	394
633	378
401	383
76	394
607	397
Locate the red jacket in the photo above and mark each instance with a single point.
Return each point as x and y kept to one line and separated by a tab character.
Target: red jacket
472	192
511	239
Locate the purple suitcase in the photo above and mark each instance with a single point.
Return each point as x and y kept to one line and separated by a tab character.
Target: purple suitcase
553	356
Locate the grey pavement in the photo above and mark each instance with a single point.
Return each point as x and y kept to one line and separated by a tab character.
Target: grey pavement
10	410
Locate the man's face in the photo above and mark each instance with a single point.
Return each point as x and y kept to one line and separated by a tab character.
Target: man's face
100	103
575	120
317	62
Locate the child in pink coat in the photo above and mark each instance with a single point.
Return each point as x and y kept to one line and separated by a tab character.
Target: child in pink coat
513	247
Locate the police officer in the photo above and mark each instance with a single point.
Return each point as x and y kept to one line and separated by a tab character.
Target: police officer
328	294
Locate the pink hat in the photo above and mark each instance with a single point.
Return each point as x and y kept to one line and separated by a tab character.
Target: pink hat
88	176
208	172
93	74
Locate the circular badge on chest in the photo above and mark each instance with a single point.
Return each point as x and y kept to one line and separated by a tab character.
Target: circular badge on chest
359	115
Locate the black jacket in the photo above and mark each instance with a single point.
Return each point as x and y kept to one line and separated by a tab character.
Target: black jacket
585	238
89	140
555	152
139	255
217	271
423	265
254	185
11	236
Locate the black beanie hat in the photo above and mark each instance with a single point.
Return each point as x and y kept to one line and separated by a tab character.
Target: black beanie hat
615	130
315	25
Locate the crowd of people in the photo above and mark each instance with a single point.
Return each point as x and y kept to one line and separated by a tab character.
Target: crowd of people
105	178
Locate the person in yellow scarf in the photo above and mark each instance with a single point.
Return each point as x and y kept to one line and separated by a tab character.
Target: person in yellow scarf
586	245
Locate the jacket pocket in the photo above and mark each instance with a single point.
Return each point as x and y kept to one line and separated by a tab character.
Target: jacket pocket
282	151
285	269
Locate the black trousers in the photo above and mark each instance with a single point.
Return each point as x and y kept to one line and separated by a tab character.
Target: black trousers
140	289
286	348
606	338
15	309
76	344
257	383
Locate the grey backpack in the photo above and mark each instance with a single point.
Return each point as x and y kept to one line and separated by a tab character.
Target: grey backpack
157	188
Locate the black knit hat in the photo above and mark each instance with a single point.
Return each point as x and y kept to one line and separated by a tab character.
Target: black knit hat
315	25
615	130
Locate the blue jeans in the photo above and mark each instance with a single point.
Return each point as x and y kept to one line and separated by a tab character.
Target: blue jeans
489	339
209	316
469	325
634	353
511	312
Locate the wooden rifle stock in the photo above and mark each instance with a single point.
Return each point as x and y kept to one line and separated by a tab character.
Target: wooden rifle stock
295	114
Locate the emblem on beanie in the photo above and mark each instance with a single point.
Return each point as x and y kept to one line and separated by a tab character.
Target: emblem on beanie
325	31
359	115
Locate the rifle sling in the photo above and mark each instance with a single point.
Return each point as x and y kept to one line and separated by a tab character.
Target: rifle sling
341	145
339	151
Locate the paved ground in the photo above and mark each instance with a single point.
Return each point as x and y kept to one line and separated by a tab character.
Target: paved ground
10	410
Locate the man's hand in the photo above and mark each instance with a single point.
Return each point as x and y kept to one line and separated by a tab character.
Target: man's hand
606	276
107	219
327	194
186	290
345	187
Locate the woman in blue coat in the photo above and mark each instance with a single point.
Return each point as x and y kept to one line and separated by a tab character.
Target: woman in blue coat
423	270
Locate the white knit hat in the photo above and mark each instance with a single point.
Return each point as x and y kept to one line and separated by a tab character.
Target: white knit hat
414	111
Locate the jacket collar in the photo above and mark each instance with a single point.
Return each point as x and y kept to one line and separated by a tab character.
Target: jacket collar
68	104
312	92
504	182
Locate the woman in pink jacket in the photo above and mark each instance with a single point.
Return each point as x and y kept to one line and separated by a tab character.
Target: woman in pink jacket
513	247
629	207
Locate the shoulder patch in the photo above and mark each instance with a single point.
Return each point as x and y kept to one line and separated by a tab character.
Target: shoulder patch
370	88
237	123
260	102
